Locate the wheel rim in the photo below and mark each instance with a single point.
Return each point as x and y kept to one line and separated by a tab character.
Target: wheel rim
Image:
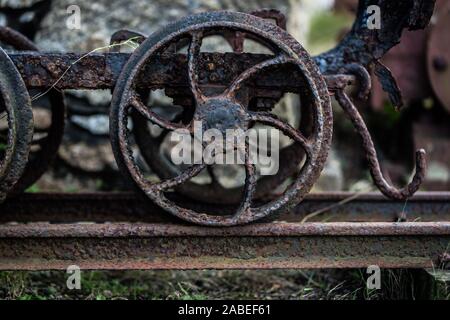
17	105
317	146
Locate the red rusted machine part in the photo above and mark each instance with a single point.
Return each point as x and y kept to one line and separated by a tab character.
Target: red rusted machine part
15	105
438	55
42	70
154	241
44	145
230	106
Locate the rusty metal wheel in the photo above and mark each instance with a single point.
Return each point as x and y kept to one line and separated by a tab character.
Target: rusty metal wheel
15	108
213	192
228	109
46	140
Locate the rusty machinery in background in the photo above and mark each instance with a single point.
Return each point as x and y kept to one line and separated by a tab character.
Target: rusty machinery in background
421	66
223	90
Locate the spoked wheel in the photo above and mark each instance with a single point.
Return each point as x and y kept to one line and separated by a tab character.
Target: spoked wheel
228	109
151	146
16	115
211	190
47	136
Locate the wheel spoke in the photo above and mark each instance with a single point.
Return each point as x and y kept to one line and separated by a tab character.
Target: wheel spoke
215	183
178	180
239	81
145	111
287	129
250	183
193	53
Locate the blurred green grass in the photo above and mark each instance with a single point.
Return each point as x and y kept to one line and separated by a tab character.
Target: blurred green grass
349	284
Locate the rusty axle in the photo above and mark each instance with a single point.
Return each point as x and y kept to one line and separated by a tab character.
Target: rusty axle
100	71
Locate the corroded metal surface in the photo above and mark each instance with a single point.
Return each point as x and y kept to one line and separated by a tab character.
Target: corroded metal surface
100	71
45	145
385	187
261	246
264	99
367	46
15	105
363	45
230	103
240	88
153	241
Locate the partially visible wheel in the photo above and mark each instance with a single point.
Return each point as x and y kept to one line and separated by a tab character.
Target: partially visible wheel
16	111
226	110
46	139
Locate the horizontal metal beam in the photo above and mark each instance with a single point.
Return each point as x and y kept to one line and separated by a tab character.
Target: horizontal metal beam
123	231
262	246
129	207
101	71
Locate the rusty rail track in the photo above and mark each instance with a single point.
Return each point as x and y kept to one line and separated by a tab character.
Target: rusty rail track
124	231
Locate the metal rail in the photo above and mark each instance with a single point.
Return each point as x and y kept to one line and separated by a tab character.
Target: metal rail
72	234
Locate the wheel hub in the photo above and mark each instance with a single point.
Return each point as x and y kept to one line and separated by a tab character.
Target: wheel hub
222	114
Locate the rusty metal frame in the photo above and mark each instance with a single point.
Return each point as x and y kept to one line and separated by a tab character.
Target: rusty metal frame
101	71
361	46
118	231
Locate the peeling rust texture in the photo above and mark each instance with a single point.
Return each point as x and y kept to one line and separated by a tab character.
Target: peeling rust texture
226	110
260	246
100	71
116	231
363	45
